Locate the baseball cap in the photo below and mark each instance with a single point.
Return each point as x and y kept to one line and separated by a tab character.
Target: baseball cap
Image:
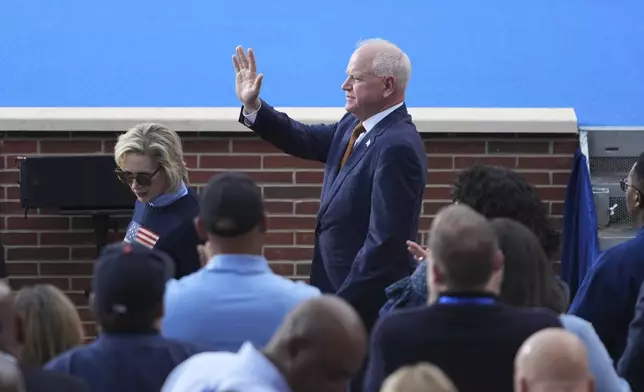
231	205
130	279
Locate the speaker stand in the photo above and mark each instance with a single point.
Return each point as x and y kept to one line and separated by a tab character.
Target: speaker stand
101	222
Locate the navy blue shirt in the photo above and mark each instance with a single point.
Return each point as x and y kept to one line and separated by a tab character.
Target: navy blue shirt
607	296
167	223
124	363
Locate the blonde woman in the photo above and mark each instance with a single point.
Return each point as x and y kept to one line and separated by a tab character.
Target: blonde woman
150	161
423	377
51	323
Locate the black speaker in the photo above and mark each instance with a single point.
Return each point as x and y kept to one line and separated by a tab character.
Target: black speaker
73	183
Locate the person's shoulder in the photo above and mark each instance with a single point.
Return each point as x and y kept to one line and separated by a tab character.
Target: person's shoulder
292	289
305	290
576	325
188	204
402	320
38	379
534	316
189	349
631	251
64	360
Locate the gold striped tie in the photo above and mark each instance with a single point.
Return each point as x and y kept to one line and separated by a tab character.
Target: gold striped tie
357	131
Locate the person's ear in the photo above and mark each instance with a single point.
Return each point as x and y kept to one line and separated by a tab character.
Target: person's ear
498	261
437	276
390	84
200	227
637	199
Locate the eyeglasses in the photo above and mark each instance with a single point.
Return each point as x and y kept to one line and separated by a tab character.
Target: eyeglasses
143	179
623	183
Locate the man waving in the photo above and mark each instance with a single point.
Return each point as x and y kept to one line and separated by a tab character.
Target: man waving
374	176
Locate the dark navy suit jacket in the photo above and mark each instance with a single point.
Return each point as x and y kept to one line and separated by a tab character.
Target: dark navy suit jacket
632	362
608	294
368	209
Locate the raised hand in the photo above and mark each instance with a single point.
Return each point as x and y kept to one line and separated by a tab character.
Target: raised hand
419	253
247	81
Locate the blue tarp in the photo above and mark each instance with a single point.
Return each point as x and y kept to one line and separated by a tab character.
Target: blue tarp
585	54
580	239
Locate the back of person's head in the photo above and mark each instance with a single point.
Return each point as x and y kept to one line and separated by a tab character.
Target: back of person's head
11	377
129	287
423	377
320	346
528	279
51	323
232	213
465	251
498	192
553	360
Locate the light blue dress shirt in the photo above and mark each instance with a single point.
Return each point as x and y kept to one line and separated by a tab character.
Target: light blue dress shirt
601	364
246	371
233	299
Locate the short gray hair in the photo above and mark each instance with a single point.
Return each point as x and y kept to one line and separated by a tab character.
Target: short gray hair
389	60
161	144
463	244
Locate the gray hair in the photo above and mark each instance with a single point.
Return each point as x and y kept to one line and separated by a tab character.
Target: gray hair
161	144
463	245
389	60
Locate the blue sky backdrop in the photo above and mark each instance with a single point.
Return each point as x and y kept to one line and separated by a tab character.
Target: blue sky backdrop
585	54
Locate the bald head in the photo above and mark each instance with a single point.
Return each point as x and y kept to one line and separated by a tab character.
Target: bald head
553	360
324	318
464	248
321	337
11	379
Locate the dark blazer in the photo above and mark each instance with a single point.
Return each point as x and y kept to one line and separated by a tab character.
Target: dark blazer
632	362
38	380
367	210
608	294
474	345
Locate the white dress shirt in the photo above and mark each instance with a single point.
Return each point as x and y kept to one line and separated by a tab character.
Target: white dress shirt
248	370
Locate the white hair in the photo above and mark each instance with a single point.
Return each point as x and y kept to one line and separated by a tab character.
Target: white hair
389	60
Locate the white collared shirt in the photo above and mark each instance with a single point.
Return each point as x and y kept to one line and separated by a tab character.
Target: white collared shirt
368	124
248	370
372	121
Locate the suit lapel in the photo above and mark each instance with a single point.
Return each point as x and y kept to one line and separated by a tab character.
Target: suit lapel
337	158
368	141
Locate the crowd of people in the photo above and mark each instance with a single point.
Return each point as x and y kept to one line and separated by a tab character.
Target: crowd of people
188	303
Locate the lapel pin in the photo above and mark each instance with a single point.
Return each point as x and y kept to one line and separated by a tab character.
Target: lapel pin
368	143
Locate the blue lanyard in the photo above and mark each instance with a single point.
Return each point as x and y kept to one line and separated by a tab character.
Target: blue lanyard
466	301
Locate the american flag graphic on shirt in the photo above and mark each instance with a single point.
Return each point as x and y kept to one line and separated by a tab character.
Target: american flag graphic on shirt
139	234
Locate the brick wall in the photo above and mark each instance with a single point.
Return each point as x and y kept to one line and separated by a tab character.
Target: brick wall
49	248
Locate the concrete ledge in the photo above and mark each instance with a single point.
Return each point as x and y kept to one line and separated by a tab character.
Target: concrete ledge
428	120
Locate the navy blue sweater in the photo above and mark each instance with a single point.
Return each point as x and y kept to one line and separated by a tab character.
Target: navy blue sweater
170	228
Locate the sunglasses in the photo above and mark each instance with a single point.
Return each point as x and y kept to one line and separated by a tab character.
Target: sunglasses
143	179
